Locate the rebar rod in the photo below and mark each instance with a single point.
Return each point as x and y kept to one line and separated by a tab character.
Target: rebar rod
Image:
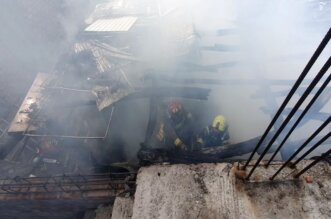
295	108
312	148
323	156
305	71
302	146
312	101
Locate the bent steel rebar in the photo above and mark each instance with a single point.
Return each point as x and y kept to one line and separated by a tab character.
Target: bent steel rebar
312	101
305	71
313	163
312	148
302	147
295	108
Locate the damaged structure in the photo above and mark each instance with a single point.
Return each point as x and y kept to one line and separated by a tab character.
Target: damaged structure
80	140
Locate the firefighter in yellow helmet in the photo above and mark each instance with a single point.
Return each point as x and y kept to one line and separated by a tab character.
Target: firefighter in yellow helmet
216	134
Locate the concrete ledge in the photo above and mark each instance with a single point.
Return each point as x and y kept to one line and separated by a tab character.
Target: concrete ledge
122	208
212	191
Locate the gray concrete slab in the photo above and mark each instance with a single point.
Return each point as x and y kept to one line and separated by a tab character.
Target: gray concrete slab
213	191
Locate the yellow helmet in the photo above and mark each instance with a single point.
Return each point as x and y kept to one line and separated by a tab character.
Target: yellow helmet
219	123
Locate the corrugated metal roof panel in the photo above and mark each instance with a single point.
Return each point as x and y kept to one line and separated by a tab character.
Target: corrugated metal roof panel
112	25
102	63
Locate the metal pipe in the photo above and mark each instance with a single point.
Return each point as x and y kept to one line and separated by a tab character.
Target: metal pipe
312	148
302	146
65	136
67	88
229	82
4	121
305	71
75	136
3	132
312	101
295	108
313	163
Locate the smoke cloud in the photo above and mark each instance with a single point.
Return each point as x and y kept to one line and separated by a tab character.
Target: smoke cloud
249	52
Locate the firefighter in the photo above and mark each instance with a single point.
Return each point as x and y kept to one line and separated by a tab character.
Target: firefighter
48	151
216	134
177	129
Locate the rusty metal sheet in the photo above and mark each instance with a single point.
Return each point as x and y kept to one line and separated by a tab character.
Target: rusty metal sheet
107	96
30	103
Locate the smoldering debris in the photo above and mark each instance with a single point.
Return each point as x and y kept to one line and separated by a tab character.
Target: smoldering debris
109	63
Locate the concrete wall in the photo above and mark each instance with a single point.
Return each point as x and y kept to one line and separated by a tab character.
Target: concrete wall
212	191
122	208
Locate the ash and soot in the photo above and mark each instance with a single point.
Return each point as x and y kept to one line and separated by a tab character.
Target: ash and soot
100	98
